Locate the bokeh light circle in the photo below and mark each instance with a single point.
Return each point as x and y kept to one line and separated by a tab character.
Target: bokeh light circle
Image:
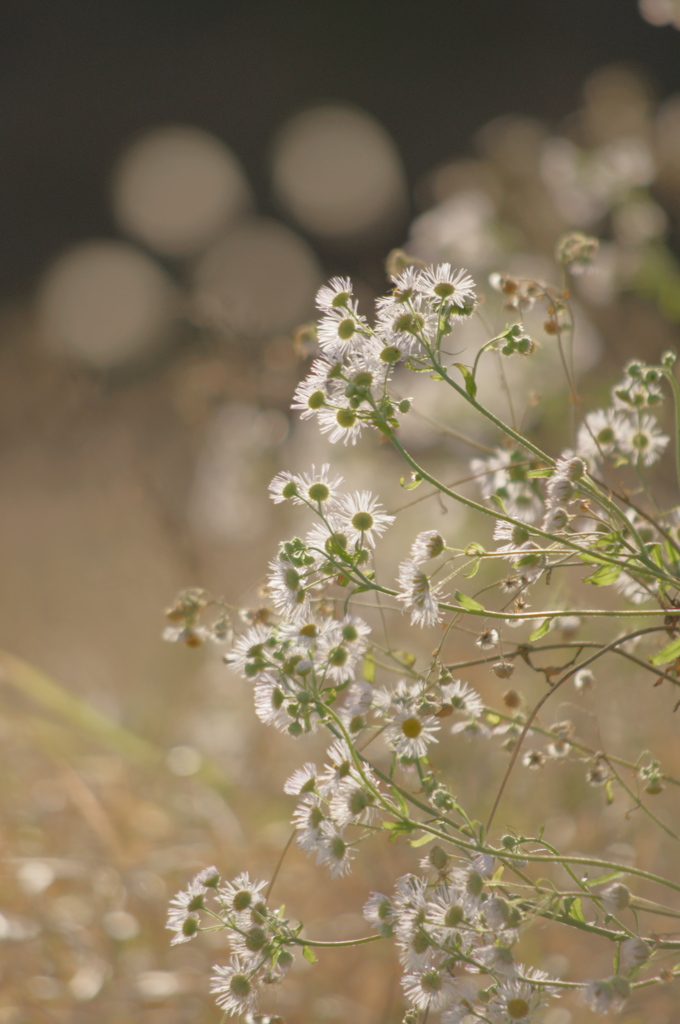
259	279
105	302
176	189
338	173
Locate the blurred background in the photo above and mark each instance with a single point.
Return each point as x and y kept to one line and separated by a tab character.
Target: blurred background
176	181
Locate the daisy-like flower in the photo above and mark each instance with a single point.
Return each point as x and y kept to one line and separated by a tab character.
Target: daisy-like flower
303	780
452	912
644	442
404	326
307	819
284	487
447	286
316	488
341	648
183	916
601	434
341	330
427	545
411	732
418	595
250	654
462	697
352	804
361	519
379	911
234	987
429	989
241	895
341	768
341	424
333	851
270	703
288	585
334	295
311	394
517	1001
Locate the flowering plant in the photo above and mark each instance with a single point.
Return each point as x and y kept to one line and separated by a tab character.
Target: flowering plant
319	657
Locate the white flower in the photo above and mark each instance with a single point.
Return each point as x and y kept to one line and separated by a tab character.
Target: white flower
427	545
403	326
317	487
183	916
517	1001
445	285
250	652
341	424
361	519
643	441
601	434
418	595
303	780
462	697
241	894
234	987
307	819
352	804
333	851
341	330
429	988
378	910
270	703
311	393
411	732
334	295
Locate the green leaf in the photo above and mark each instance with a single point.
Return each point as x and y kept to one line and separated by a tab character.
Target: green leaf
499	501
541	630
534	473
369	668
602	879
472	571
470	385
309	954
468	603
605	576
574	909
405	657
422	841
669	653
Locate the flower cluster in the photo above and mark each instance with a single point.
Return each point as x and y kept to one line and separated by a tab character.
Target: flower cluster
347	387
313	662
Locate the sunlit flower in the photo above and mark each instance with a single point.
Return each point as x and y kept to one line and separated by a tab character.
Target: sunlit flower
418	595
360	518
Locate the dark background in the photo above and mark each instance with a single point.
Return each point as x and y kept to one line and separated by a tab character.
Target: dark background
79	79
